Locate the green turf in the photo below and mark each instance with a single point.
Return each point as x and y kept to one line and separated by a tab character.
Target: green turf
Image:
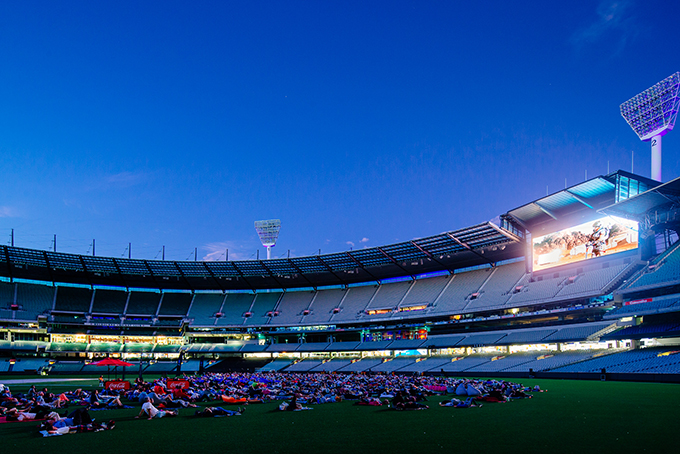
573	417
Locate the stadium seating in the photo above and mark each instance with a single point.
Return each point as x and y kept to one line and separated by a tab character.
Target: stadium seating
234	307
331	366
576	333
354	303
406	344
387	296
263	304
204	307
393	365
526	336
275	365
481	339
143	303
175	304
671	329
291	307
460	364
109	301
321	308
7	294
305	365
646	360
503	362
424	365
342	346
424	292
496	292
192	365
587	283
656	306
313	347
33	300
363	365
73	299
458	290
550	360
160	367
66	367
444	340
663	270
373	345
29	364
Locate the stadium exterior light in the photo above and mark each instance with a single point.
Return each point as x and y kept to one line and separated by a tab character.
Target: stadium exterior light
652	114
268	231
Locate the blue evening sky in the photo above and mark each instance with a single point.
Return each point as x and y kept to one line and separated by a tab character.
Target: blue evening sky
356	123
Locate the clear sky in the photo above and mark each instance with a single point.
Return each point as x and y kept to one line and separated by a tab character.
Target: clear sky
356	123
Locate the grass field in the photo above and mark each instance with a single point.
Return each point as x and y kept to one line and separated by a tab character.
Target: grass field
574	416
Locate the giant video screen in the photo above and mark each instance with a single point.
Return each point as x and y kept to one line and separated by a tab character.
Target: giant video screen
605	236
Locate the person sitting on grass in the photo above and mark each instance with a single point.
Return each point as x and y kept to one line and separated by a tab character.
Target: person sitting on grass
293	405
152	412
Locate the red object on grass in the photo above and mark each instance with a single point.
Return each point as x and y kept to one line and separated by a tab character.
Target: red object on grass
112	362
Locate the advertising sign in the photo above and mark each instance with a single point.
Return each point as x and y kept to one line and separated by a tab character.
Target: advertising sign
117	385
173	384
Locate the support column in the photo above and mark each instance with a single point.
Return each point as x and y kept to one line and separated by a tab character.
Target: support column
656	158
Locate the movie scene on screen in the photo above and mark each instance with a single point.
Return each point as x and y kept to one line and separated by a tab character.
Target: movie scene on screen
604	236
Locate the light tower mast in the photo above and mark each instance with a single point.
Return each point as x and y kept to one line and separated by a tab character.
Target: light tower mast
268	231
652	114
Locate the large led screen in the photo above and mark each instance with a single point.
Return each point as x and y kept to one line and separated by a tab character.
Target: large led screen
604	236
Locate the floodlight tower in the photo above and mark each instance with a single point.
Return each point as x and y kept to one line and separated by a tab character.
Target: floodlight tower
652	114
268	231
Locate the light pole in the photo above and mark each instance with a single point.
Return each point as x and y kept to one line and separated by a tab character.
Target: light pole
652	114
268	231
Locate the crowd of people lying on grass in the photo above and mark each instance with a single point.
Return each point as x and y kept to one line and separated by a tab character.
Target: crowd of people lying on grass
294	391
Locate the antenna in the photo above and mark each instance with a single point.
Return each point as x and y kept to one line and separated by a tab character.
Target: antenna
268	231
652	114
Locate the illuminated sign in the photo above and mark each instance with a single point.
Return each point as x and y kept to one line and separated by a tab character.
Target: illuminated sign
604	236
178	383
118	385
420	307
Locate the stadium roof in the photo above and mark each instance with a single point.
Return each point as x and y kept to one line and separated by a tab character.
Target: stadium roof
576	204
477	245
638	205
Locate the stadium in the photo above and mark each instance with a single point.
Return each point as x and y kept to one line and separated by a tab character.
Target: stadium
521	296
492	300
561	314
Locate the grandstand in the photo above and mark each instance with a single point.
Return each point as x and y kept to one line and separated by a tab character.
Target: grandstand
519	295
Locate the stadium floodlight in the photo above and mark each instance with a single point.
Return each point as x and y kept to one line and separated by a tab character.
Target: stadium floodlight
652	114
268	231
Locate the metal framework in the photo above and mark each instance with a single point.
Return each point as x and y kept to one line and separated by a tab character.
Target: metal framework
268	231
473	246
652	114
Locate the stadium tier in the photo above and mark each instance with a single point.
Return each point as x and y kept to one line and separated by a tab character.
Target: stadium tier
582	279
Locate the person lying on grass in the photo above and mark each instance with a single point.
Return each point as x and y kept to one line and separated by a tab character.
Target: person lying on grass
14	414
467	403
152	412
403	401
78	421
213	412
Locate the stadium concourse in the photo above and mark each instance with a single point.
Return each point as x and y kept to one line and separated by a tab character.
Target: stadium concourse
582	283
